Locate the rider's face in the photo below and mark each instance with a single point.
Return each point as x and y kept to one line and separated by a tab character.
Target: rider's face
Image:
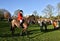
21	12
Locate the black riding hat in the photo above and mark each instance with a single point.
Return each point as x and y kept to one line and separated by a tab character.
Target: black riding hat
21	10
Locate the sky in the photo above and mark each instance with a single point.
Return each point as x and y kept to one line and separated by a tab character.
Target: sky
28	6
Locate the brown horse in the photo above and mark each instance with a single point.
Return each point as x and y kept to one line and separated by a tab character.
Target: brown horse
16	23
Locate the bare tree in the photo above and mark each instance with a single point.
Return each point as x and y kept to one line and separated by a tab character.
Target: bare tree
58	9
35	13
48	10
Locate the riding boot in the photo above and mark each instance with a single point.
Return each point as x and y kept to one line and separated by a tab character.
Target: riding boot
22	25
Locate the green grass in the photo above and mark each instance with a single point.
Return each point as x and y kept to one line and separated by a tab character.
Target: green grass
34	33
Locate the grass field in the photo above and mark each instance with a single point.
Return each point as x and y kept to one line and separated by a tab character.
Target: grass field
34	33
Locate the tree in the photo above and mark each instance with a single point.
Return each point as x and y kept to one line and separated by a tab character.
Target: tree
35	13
58	9
48	10
7	15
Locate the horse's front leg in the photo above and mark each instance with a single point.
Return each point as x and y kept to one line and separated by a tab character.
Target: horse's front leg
24	30
12	28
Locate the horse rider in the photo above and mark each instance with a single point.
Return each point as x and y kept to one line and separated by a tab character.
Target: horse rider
20	17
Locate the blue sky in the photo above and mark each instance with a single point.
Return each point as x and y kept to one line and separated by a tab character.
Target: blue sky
28	6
